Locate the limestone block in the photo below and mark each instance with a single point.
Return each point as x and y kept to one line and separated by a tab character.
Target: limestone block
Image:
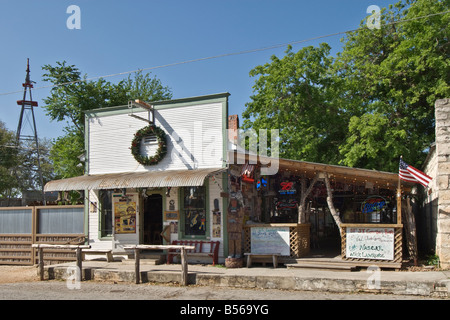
443	181
444	197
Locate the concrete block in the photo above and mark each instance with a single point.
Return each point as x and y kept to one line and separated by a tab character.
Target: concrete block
273	282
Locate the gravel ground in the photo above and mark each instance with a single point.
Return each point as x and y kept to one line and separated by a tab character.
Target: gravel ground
90	290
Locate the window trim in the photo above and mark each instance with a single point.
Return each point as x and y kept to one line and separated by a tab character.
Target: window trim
181	230
102	235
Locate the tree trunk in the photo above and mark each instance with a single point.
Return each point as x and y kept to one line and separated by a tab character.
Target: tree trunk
333	211
410	230
303	196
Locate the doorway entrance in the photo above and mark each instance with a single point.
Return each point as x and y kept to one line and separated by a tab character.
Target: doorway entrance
153	212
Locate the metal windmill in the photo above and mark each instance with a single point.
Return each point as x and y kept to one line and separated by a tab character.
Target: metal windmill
27	114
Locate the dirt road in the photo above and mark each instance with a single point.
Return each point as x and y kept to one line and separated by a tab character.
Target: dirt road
12	274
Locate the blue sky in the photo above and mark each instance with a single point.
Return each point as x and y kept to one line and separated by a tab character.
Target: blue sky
119	36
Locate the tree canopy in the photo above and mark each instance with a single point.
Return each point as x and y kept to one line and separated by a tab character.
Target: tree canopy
368	105
18	164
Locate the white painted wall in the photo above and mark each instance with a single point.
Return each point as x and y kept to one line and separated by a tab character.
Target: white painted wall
194	134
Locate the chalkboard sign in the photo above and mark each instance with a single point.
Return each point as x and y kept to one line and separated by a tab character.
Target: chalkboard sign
370	243
266	240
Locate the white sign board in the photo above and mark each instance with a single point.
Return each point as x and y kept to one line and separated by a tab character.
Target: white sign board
370	243
270	240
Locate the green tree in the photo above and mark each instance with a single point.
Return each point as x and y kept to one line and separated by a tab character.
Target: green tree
8	160
371	103
395	74
73	95
18	164
295	95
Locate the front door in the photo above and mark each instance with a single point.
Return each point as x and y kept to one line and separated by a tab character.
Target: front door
153	219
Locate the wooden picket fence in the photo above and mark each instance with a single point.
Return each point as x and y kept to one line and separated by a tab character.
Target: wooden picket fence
16	247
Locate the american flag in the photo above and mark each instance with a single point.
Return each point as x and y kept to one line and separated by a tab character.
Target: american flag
411	174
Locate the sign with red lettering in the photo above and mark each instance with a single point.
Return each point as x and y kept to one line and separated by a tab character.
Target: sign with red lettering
287	188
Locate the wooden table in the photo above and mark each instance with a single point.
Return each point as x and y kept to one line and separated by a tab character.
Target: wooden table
184	264
78	248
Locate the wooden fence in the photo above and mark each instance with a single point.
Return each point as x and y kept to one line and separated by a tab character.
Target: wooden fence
21	227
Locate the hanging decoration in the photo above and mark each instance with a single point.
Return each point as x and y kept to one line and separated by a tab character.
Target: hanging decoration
247	173
136	145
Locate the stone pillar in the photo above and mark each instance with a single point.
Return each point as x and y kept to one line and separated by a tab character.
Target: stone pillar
442	113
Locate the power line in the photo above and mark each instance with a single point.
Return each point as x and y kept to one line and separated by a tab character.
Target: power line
276	46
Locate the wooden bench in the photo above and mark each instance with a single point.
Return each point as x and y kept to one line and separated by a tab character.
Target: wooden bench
201	249
274	257
106	252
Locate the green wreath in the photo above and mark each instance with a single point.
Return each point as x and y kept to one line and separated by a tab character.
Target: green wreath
136	145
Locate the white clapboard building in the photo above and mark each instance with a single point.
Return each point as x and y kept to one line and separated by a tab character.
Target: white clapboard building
154	173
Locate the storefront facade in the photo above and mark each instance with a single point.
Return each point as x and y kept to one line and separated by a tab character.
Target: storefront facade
154	173
170	170
311	209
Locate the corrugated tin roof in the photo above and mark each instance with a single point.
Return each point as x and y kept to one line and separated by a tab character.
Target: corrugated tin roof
149	179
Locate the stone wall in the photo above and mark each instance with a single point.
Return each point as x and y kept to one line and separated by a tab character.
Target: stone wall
442	177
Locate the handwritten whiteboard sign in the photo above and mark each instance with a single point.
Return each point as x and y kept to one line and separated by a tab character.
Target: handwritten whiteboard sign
270	240
370	243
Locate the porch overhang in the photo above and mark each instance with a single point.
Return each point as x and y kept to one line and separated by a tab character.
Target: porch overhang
147	179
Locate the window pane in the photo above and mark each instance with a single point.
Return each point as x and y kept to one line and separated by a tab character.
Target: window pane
106	212
194	210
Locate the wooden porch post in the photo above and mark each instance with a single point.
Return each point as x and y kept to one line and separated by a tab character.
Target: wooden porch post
333	211
303	196
399	202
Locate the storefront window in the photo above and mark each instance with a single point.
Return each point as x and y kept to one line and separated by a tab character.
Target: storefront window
194	211
105	199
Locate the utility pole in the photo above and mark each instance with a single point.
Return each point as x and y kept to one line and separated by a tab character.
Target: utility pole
26	111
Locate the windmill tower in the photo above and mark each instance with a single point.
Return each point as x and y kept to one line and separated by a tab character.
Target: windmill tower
29	137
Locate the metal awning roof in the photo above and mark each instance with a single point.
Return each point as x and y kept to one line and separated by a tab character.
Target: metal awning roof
148	179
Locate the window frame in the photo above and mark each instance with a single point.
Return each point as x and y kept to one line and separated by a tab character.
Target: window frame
102	232
183	213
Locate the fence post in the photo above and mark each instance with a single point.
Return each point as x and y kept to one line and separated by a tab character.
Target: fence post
136	265
184	268
79	263
41	263
33	233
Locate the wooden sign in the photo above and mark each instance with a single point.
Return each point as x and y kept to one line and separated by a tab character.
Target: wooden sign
266	240
370	243
170	215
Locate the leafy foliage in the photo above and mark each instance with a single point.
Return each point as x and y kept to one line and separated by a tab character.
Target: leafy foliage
73	95
18	164
371	103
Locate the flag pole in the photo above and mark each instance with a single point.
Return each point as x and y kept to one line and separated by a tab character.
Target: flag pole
399	199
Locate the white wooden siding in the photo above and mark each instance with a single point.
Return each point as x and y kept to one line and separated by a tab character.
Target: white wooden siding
214	193
195	139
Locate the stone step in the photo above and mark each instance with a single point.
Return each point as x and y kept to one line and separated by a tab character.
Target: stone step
340	264
325	265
